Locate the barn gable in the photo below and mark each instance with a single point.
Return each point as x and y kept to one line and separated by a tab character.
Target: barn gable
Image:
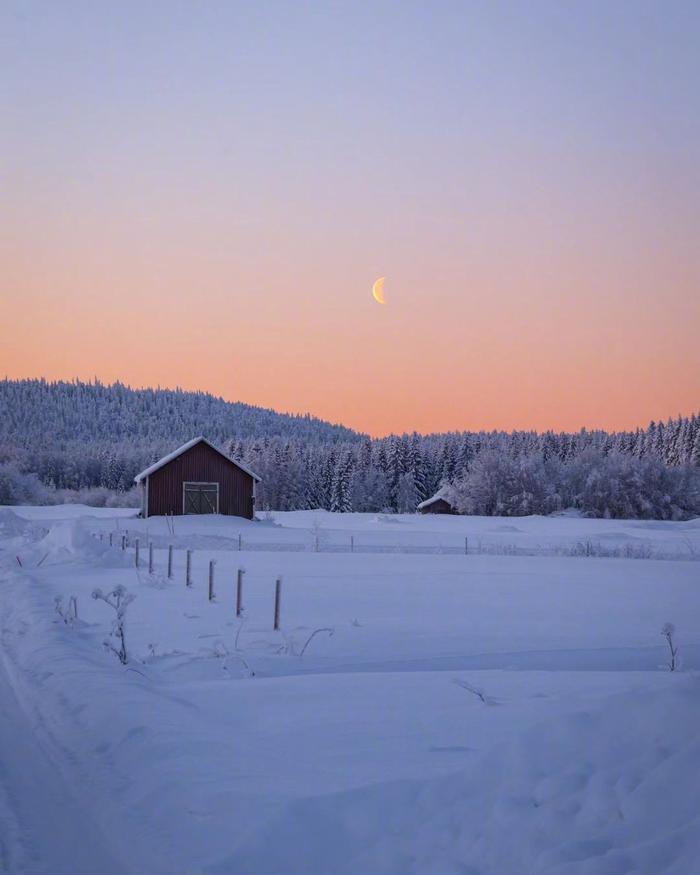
183	449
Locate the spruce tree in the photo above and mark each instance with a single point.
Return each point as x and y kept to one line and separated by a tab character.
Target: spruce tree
695	452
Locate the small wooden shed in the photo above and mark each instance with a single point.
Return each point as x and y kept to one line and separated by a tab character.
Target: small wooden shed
197	478
439	503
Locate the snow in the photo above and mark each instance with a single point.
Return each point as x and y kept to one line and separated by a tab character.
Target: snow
183	449
490	714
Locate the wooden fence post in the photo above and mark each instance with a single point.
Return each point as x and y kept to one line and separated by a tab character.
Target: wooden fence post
466	546
123	542
212	563
239	592
240	542
278	587
170	561
110	540
150	557
136	554
188	568
352	543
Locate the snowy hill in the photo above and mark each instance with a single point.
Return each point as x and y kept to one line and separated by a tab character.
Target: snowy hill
39	413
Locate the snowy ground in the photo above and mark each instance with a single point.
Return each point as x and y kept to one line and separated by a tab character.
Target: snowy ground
485	714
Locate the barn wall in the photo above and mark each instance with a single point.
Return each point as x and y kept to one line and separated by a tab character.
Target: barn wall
200	464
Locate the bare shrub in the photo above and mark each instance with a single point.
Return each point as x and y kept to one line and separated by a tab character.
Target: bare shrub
291	646
668	631
222	652
311	637
119	600
68	613
475	691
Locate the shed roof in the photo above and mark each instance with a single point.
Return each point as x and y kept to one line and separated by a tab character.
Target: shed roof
443	494
183	449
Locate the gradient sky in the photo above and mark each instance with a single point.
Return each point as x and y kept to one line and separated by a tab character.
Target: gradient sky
201	194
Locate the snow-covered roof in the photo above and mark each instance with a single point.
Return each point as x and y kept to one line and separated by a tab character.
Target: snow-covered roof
443	494
183	449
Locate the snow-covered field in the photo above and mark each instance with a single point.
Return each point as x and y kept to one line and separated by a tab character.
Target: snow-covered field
505	712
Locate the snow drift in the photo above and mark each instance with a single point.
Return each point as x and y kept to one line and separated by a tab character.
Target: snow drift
600	792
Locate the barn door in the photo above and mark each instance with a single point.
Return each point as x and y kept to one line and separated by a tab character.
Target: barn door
200	498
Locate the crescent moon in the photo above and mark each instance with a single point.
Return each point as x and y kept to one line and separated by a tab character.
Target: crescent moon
378	290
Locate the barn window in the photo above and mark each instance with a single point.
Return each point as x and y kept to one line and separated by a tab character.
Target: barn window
200	497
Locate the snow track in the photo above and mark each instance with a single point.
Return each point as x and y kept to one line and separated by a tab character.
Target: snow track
50	830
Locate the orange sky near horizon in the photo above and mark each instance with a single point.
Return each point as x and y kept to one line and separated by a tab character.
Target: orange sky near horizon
493	361
204	200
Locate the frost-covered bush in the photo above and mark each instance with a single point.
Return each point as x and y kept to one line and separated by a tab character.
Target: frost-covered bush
627	487
99	496
613	485
18	488
498	485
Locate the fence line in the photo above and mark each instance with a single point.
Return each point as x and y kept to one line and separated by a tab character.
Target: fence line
468	547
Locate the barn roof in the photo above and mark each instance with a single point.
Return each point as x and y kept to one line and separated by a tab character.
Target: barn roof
443	494
183	449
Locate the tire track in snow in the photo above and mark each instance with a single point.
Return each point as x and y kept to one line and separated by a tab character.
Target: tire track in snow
52	833
46	827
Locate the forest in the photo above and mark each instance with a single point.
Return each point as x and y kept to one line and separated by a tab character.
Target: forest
85	441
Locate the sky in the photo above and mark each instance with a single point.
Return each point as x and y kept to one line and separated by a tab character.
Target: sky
202	194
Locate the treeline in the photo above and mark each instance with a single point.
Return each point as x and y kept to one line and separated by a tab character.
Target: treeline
651	474
87	441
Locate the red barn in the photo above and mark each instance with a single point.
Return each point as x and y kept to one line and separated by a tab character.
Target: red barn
197	478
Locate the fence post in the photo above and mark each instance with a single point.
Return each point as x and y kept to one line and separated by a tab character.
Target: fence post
352	543
240	542
170	561
278	586
212	563
110	539
150	557
123	542
466	546
136	554
239	592
188	568
317	543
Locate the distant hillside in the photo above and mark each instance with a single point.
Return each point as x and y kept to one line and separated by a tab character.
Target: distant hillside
38	414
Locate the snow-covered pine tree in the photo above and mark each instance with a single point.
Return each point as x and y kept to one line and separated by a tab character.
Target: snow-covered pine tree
417	469
340	493
407	497
695	452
